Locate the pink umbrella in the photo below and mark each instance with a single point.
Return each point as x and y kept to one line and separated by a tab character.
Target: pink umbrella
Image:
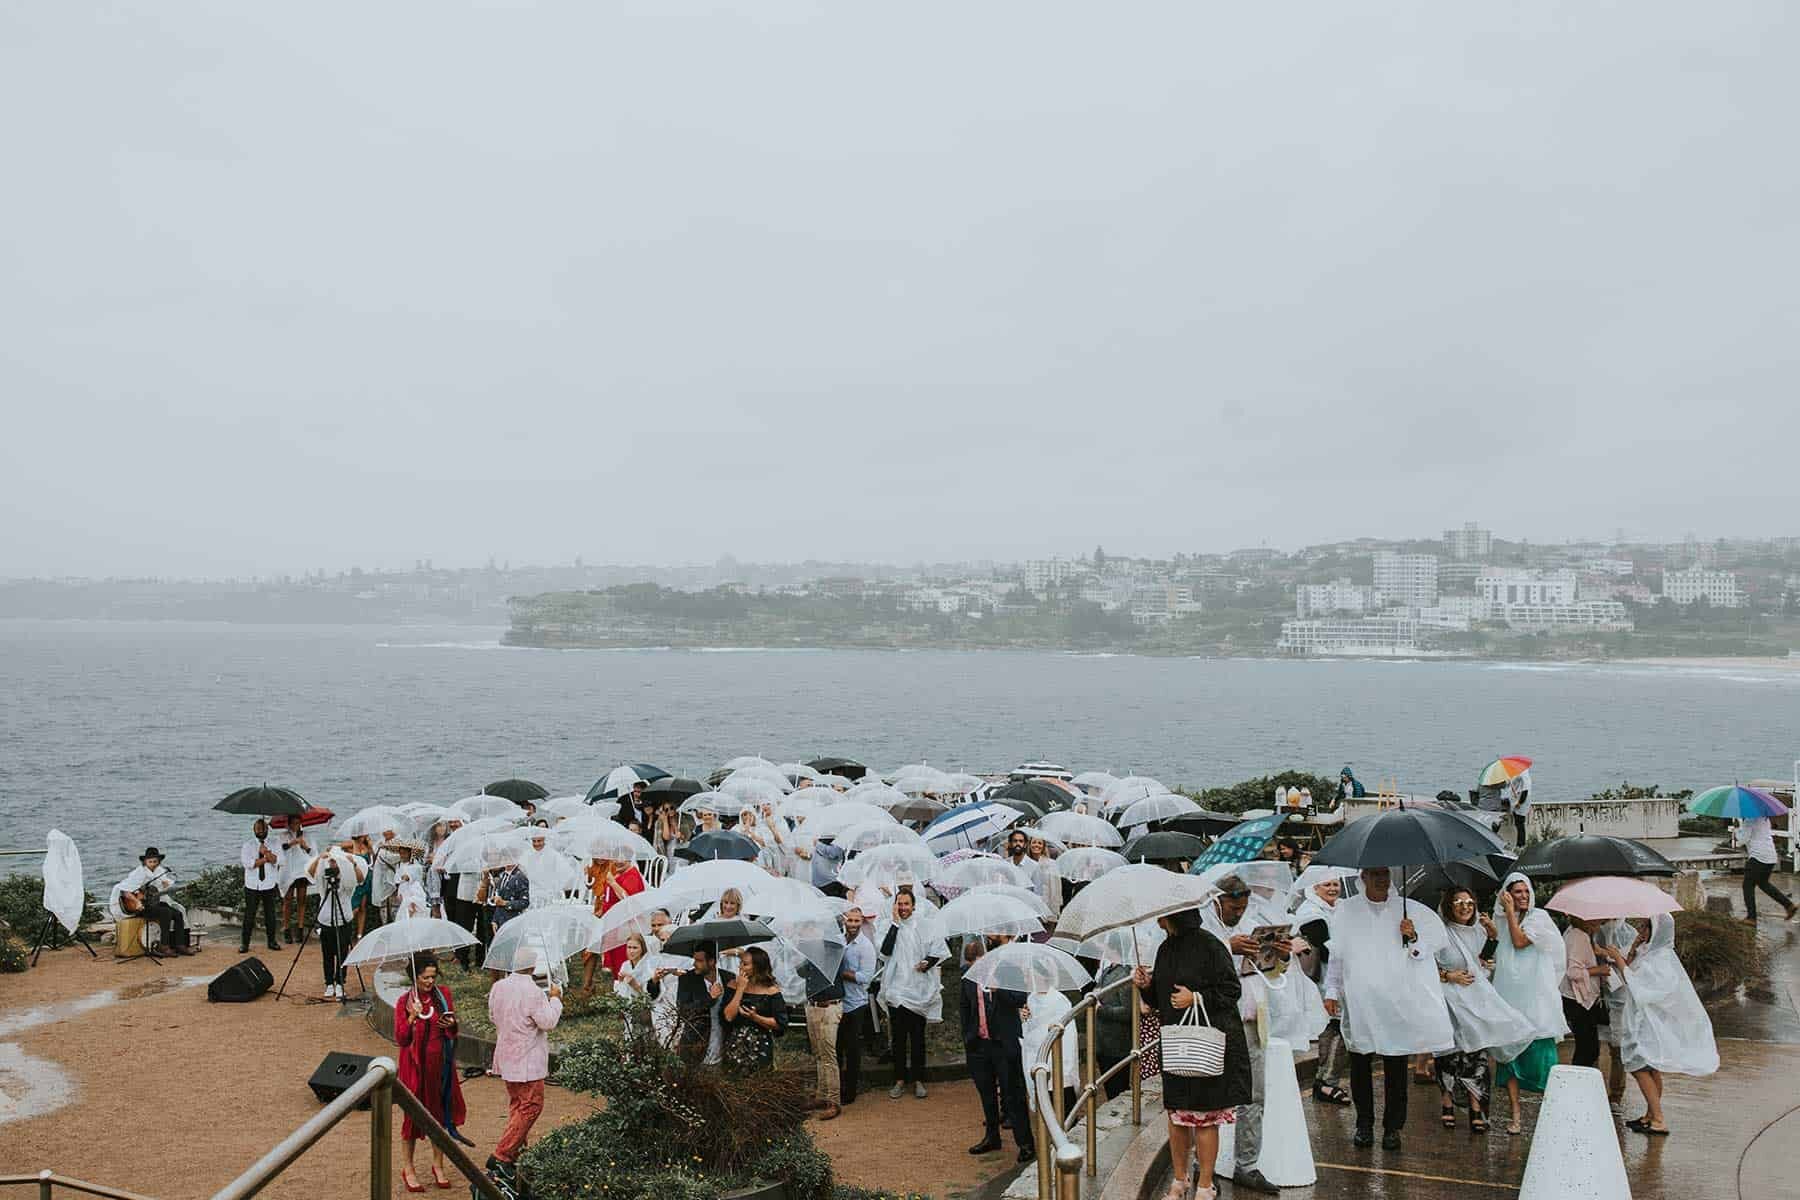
1608	896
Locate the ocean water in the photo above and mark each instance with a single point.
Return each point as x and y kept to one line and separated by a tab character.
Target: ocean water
125	734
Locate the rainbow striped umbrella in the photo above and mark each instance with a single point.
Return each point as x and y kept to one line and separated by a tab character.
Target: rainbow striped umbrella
1736	801
1502	769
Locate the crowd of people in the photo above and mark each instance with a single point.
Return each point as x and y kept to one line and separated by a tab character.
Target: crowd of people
1468	994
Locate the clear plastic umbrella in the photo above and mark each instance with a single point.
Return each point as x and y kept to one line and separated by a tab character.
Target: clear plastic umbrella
1084	864
563	806
1024	895
1028	967
558	932
705	881
1157	808
888	866
790	897
981	913
749	760
464	845
829	822
1270	880
961	783
977	870
870	834
798	771
631	915
804	802
607	840
937	783
758	781
815	937
1078	828
371	821
1129	895
474	808
1095	783
722	803
837	783
403	939
1134	945
878	794
1124	792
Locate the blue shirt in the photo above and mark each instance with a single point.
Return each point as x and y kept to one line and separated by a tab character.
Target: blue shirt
827	857
859	960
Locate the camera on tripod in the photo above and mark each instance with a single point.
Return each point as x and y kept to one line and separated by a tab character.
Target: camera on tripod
331	874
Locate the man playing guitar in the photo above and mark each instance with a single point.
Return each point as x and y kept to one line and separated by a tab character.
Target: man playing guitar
145	893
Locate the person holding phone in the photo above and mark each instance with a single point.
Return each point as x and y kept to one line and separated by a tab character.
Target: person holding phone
754	1016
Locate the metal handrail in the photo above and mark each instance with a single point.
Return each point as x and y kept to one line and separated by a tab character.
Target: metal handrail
377	1086
1056	1150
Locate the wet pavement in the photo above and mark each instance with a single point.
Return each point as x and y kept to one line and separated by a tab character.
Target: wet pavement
1735	1135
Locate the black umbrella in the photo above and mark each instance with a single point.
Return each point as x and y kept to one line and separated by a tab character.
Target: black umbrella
723	934
671	790
1039	793
720	843
918	808
1585	854
1427	882
1163	846
263	801
519	791
1406	837
645	771
1204	823
1030	810
849	768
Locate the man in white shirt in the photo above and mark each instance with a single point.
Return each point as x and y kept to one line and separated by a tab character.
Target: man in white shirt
335	873
150	884
262	884
1757	837
1382	984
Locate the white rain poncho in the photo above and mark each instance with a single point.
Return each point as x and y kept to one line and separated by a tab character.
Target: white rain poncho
1665	1025
409	891
294	858
1047	1008
1392	1000
1623	935
903	985
550	873
1481	1018
1531	979
1296	1010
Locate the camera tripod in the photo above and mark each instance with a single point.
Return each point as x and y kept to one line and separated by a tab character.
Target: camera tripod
329	881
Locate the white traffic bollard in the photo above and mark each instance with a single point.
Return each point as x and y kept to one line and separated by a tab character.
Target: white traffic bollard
1575	1149
1287	1159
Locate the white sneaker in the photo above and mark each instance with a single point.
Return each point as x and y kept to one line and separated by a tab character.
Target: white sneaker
919	1090
336	992
897	1091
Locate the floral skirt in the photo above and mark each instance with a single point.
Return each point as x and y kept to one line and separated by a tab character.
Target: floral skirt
1466	1077
1149	1046
1189	1119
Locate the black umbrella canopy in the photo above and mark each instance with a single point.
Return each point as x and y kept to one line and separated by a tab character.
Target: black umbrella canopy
1399	837
1204	823
519	791
1586	854
1163	846
1031	811
1427	882
263	801
723	934
648	772
720	843
831	764
671	789
1039	793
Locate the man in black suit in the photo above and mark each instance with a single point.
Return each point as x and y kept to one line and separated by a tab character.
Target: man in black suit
699	999
990	1029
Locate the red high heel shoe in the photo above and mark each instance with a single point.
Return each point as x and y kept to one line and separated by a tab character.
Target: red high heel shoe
411	1184
437	1178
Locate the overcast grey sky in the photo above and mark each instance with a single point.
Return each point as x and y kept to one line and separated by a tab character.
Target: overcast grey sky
286	286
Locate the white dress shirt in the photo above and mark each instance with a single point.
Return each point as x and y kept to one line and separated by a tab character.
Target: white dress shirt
259	877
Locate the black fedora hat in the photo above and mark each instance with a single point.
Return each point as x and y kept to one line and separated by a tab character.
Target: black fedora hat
151	852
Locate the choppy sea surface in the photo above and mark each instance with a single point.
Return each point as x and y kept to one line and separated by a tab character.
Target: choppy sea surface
124	734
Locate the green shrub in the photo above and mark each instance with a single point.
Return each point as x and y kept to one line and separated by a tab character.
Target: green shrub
1260	792
22	905
1718	951
14	955
219	888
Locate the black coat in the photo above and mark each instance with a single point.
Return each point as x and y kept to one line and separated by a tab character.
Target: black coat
1198	961
1002	1014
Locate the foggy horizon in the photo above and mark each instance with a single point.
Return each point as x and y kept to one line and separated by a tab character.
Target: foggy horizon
658	283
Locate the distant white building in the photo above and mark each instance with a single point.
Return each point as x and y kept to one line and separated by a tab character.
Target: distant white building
1041	574
1506	587
1469	542
1622	567
1600	615
1406	580
1382	636
1338	596
1110	594
1720	588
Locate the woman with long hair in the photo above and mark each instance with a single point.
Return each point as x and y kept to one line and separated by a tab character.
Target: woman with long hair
425	1034
1483	1023
1194	967
609	882
755	1015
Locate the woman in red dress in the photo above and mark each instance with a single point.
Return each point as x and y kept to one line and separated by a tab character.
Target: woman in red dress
610	882
424	1027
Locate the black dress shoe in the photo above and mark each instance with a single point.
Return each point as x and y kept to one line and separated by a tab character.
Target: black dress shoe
1027	1153
1390	1140
986	1145
1363	1137
1255	1181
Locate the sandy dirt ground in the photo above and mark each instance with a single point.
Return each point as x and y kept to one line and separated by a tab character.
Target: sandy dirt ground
160	1092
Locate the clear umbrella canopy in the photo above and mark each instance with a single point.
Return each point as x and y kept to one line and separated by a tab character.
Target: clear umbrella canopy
791	897
463	846
1134	945
722	803
1124	792
563	806
705	881
961	783
1270	880
1084	864
1023	895
837	783
981	913
935	783
977	870
771	779
403	939
888	866
799	770
553	934
371	821
632	915
806	801
1157	808
606	840
1129	895
474	808
1095	783
845	814
873	791
1028	967
869	834
1080	829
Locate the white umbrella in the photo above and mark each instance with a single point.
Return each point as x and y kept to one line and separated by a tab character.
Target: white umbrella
1024	895
981	913
403	939
1130	946
713	802
770	778
1084	864
752	792
1127	895
937	783
961	783
789	897
558	932
869	834
888	866
806	801
464	845
563	806
606	840
749	760
474	808
1095	783
836	783
1079	828
372	820
1128	790
799	770
979	869
705	881
631	915
621	779
844	815
1028	967
878	794
1157	808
